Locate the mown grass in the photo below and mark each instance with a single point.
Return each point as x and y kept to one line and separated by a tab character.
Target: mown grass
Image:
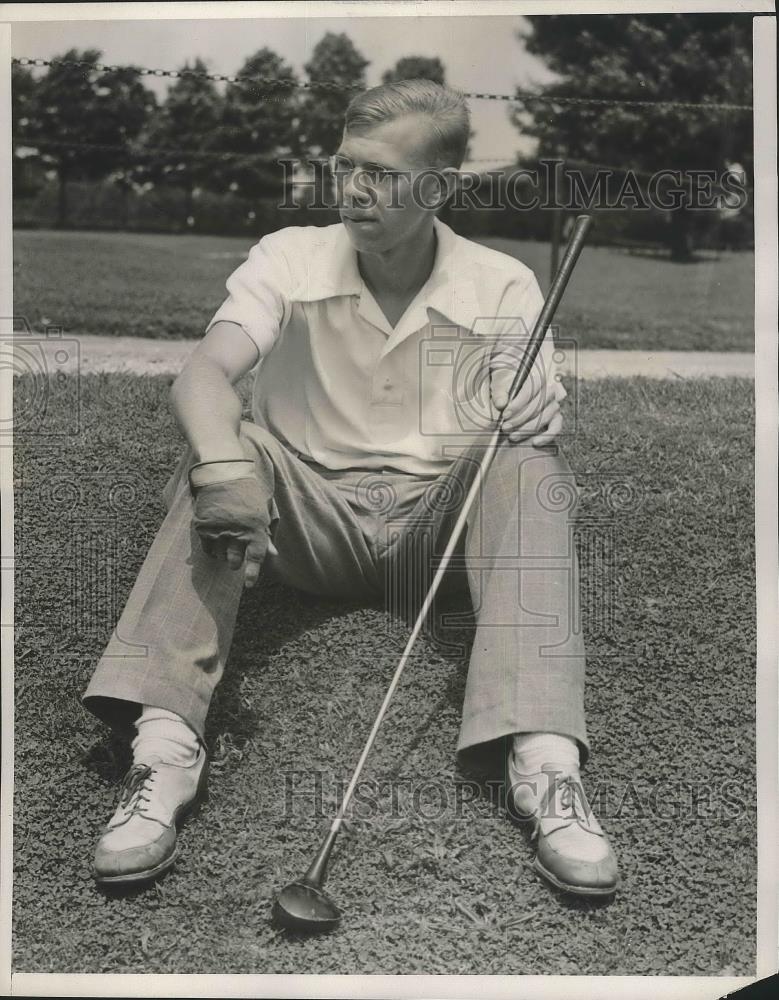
170	286
438	882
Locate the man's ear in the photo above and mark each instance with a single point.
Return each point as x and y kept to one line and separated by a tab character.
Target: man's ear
440	184
450	178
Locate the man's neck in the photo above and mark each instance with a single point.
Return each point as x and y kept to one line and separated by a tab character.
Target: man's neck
403	269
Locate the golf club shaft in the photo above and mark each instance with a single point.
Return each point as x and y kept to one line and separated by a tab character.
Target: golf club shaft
534	344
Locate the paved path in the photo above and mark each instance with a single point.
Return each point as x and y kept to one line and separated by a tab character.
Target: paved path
138	355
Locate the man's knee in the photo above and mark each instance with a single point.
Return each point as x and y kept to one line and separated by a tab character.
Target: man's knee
539	478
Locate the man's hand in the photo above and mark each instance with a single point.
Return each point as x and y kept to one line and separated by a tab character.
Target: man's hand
232	521
533	413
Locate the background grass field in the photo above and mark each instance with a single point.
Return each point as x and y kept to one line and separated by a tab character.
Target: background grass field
434	886
170	286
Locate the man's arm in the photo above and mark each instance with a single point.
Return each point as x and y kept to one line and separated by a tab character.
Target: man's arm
204	401
230	509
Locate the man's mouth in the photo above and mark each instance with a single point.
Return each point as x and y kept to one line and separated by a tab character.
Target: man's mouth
356	217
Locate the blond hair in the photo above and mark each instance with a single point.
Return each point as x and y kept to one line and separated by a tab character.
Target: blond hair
446	109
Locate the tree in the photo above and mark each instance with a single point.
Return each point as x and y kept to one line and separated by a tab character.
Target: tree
79	110
669	57
259	122
123	108
22	117
186	125
416	68
336	72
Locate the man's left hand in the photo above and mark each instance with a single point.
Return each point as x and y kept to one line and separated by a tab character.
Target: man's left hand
533	413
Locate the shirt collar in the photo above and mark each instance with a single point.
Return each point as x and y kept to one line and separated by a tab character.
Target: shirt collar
331	270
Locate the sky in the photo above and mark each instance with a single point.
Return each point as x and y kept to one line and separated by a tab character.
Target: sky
479	53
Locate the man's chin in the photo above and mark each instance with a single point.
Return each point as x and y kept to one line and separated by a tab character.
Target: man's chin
365	235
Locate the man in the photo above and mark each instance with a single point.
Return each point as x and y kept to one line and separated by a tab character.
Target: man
362	423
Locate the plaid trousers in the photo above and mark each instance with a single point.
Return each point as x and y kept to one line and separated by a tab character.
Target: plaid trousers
366	535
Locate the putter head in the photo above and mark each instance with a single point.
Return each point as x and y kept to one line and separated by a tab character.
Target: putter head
301	906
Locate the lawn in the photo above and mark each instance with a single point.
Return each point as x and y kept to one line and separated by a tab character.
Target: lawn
437	882
170	286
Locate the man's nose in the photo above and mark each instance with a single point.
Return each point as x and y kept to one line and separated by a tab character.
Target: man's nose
355	190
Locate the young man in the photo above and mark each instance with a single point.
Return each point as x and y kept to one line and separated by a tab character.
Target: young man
363	330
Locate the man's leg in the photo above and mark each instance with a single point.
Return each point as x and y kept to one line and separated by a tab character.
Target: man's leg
526	674
171	643
517	559
527	665
168	651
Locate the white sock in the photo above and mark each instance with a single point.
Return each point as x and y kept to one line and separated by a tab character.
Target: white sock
165	737
533	750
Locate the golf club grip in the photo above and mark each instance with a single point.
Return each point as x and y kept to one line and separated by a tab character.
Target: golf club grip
552	301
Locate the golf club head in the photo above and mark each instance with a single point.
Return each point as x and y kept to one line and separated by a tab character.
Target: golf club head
301	906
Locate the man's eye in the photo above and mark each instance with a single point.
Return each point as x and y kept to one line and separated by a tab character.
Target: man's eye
372	173
339	166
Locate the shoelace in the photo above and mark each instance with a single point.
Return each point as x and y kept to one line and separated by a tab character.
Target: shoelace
131	795
571	799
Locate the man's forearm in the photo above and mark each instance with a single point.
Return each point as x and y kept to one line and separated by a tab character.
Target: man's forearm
208	411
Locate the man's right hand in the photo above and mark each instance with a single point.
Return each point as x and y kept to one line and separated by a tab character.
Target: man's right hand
231	519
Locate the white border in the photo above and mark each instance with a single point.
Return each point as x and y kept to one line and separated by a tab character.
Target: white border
379	987
371	8
767	547
7	520
767	418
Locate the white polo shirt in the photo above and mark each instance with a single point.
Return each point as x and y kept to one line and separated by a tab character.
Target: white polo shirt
339	385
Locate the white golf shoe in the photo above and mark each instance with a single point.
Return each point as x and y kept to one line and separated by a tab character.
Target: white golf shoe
139	842
572	852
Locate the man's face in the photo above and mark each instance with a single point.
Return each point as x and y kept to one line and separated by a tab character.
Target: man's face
381	212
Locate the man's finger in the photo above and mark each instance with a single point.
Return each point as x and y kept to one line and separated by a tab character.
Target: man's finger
520	412
539	424
255	552
234	554
554	428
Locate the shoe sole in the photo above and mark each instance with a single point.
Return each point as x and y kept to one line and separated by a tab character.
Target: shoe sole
187	811
576	890
144	876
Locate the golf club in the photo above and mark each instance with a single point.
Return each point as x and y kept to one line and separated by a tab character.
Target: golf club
302	905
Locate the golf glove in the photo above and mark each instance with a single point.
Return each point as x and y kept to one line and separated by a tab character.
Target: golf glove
231	515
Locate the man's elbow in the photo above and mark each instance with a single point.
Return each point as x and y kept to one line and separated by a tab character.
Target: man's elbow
177	389
184	385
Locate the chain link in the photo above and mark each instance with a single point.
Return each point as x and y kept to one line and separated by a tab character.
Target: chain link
519	97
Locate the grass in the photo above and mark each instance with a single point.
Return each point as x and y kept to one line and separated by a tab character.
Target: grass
170	286
430	885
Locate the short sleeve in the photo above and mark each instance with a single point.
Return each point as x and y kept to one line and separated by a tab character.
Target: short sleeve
258	294
520	309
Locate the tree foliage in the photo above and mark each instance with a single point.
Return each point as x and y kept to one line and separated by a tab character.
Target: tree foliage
74	110
416	68
334	59
669	57
186	123
22	101
25	181
259	122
